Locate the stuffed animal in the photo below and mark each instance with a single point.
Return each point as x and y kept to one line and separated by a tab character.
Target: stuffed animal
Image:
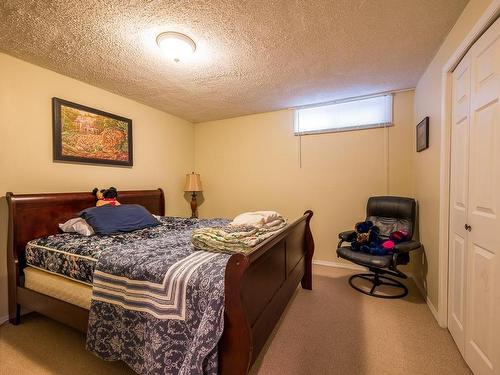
367	235
368	239
106	196
394	238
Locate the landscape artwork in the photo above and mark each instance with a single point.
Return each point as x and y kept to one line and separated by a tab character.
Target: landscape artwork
83	134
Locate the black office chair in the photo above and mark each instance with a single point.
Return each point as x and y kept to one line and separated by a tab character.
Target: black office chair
389	214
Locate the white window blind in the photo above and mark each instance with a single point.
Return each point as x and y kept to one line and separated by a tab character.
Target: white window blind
363	113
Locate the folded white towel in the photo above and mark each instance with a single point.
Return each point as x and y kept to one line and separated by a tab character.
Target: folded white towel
257	218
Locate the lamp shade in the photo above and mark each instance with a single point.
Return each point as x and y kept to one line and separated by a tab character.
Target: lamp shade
193	182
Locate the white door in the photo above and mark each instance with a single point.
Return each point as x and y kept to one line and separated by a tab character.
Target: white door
482	333
474	262
459	183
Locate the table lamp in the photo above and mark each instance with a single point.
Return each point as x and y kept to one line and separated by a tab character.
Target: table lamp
193	185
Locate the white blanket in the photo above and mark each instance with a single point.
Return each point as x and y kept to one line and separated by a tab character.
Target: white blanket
257	219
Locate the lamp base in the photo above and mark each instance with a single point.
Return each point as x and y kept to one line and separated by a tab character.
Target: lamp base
194	206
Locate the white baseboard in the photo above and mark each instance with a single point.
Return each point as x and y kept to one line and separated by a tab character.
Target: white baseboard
3	319
431	306
420	287
433	309
328	263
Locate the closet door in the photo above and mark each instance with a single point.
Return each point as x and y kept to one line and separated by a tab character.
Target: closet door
459	182
482	328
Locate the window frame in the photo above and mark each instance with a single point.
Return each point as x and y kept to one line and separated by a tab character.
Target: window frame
389	124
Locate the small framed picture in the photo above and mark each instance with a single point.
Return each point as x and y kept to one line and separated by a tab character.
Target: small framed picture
86	135
423	134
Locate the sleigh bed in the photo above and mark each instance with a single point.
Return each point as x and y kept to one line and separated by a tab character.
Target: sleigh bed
258	285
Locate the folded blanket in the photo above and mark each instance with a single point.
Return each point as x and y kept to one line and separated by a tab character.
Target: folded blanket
257	218
235	238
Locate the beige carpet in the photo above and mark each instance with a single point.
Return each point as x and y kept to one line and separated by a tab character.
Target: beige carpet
330	330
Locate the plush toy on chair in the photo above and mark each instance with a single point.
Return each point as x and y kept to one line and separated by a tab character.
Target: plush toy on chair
367	236
381	243
106	196
368	239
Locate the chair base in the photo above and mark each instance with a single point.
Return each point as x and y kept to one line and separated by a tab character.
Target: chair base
376	281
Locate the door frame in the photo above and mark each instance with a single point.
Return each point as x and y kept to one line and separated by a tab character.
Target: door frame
484	22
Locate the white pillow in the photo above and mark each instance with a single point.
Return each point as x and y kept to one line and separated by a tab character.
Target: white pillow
77	225
257	218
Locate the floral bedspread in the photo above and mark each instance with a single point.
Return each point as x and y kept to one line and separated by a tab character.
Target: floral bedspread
75	256
157	304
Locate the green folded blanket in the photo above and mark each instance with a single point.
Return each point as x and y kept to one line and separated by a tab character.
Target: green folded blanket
234	238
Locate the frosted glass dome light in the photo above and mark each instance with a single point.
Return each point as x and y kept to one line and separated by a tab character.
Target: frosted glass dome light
175	45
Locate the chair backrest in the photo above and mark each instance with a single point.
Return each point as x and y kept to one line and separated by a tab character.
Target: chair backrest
391	213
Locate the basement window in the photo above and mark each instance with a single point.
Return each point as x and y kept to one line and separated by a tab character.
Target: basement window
345	115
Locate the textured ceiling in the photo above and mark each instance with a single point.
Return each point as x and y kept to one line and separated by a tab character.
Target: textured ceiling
252	56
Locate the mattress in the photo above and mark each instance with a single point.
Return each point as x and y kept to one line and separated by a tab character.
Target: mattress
58	287
62	265
70	255
75	256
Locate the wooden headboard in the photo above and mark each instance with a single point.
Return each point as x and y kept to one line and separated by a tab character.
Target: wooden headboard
36	215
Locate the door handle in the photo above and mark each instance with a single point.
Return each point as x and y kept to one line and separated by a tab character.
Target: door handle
467	227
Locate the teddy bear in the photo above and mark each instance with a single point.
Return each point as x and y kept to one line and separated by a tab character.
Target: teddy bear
369	240
106	196
367	235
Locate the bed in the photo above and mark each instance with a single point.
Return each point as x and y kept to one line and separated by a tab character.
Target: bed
258	285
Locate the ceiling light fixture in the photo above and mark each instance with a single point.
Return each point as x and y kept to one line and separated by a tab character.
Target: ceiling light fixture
176	45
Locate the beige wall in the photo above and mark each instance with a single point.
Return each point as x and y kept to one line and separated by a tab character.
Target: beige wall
251	163
163	144
427	163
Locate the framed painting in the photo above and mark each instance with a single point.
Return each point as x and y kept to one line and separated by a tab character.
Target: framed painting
86	135
423	134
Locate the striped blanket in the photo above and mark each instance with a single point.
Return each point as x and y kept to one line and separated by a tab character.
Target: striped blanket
157	304
164	300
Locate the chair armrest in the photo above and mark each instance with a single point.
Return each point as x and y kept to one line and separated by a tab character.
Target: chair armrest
348	235
407	246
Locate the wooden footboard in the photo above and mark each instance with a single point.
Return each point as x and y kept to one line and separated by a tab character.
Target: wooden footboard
258	288
258	285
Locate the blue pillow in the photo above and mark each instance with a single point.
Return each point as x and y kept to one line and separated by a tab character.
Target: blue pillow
109	219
